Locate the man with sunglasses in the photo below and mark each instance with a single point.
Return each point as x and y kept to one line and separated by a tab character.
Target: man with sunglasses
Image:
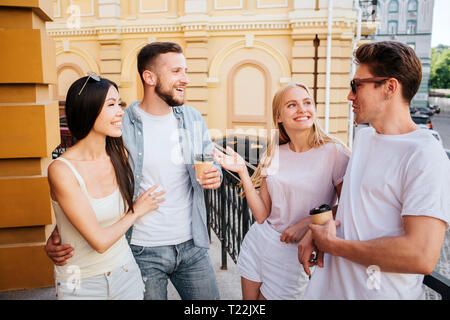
394	206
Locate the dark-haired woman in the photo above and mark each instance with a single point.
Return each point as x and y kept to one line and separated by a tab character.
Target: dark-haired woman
91	187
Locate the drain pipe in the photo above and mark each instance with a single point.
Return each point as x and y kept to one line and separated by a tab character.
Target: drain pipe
316	44
352	73
327	79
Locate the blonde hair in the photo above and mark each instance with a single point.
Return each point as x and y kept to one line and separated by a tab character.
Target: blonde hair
317	137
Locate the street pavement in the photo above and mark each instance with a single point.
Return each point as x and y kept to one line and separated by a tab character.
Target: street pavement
228	281
441	123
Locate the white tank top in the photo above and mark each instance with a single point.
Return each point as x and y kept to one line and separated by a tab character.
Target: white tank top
86	262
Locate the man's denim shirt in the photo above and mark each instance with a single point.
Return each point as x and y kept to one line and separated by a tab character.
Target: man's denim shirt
190	125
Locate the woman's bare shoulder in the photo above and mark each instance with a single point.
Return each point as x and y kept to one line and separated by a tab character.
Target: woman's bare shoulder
58	171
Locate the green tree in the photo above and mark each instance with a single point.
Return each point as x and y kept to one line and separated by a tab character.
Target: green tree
440	67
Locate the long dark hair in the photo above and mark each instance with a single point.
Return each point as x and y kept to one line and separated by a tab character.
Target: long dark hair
82	109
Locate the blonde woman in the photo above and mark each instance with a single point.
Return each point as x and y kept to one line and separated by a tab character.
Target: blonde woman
304	170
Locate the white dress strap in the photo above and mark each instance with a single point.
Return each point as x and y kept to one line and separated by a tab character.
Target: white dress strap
75	172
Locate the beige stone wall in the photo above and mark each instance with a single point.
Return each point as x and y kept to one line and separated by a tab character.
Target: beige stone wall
239	52
29	131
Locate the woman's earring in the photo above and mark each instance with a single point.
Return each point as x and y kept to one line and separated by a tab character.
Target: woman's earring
386	98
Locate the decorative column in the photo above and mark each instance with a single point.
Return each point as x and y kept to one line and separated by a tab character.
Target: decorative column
131	10
110	57
196	53
110	40
309	65
341	53
29	131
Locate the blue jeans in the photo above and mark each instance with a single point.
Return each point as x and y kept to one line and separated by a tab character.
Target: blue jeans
188	267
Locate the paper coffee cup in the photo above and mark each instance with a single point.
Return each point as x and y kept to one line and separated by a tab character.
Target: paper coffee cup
202	163
321	214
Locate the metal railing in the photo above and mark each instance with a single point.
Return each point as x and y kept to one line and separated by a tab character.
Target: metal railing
438	283
228	215
66	142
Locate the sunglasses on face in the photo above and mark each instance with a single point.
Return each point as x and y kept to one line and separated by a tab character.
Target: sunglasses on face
357	81
91	75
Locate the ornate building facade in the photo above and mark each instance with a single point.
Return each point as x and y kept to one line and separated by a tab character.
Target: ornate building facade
410	22
239	52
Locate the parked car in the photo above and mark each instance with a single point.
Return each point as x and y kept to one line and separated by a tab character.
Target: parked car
434	107
413	110
422	119
425	110
249	147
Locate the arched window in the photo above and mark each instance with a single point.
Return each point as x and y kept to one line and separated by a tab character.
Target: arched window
392	27
411	26
393	6
412	5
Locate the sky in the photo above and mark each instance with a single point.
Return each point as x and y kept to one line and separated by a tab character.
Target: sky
441	23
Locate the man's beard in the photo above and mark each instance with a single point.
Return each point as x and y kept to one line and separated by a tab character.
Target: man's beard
167	97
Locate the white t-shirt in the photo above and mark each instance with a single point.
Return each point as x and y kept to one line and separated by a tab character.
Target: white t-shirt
163	165
388	176
304	180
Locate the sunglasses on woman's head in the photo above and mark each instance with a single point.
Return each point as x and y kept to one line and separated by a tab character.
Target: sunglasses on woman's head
357	81
91	75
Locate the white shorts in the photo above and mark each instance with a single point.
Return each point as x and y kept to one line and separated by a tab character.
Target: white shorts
264	258
123	283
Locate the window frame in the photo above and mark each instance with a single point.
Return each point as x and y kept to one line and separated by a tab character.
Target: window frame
417	5
396	27
389	6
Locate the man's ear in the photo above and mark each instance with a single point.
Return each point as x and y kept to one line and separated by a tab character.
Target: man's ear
392	87
149	77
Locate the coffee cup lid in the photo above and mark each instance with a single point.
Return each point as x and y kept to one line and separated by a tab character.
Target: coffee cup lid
322	208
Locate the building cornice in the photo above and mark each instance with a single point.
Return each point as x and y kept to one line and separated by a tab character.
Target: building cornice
128	27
